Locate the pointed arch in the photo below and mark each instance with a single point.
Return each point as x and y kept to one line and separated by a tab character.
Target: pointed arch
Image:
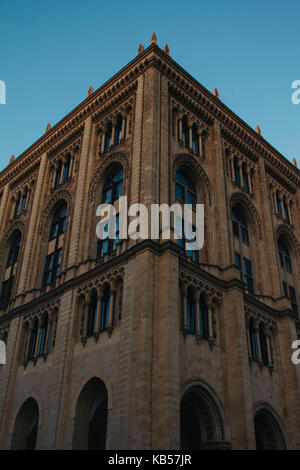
191	164
286	232
243	201
115	158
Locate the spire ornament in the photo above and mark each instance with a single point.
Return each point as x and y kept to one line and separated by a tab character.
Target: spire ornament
153	39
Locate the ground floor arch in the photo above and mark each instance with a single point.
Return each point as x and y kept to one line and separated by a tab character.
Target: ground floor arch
268	432
26	426
91	416
201	422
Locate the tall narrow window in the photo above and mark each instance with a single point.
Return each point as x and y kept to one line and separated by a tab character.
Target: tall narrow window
42	336
33	339
279	206
105	309
185	133
286	212
263	344
92	315
10	270
253	340
55	246
203	319
23	202
195	142
58	175
66	169
17	206
118	130
237	173
190	310
245	178
108	137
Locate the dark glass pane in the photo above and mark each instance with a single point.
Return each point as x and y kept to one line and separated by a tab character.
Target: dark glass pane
237	260
235	229
245	235
179	193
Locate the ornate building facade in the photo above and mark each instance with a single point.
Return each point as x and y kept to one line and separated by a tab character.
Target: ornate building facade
140	344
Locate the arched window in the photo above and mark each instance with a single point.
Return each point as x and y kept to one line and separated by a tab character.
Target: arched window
186	194
239	225
92	315
55	244
190	310
112	190
10	270
288	280
242	253
263	344
105	308
203	317
195	140
284	256
253	340
113	186
108	137
118	130
185	133
185	189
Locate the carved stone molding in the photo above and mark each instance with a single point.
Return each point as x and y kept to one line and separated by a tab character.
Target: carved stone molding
111	277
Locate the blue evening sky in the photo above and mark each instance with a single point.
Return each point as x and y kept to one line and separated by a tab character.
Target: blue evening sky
52	51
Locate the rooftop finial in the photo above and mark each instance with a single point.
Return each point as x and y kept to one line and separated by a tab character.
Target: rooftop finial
216	93
11	159
90	90
48	127
294	161
154	39
258	130
140	49
167	49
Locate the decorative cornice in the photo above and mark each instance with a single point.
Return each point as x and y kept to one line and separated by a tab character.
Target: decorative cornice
111	277
284	178
260	316
200	285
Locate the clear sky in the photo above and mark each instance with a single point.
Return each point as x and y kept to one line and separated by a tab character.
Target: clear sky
52	51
